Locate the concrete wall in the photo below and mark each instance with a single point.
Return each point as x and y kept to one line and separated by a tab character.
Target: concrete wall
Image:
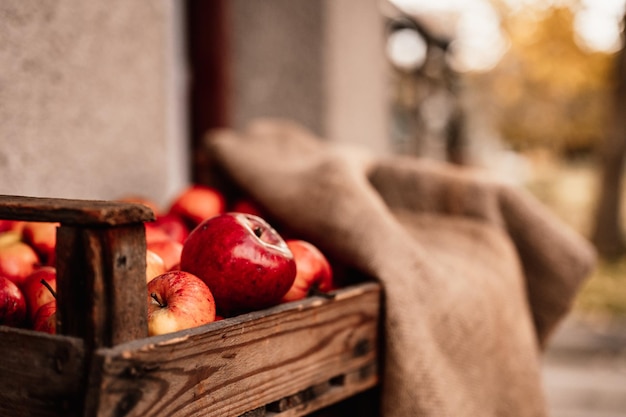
320	63
357	74
277	61
91	98
92	94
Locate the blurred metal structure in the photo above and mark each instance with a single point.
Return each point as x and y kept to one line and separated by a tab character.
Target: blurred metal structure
427	116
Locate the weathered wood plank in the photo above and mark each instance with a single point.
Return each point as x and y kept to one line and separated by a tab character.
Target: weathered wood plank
330	393
73	212
101	285
40	374
230	367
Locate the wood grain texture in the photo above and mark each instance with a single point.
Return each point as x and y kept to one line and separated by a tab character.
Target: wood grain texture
246	363
101	284
101	261
325	394
40	374
73	212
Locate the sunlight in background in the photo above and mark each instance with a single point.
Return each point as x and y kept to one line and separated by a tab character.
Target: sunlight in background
598	24
479	42
407	49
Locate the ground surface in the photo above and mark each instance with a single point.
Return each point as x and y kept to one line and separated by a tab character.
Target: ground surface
584	369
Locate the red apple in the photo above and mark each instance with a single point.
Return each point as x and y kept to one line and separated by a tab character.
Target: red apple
154	233
46	318
244	261
11	225
36	293
169	250
245	205
12	303
313	271
17	261
197	203
173	225
42	236
138	199
178	300
154	265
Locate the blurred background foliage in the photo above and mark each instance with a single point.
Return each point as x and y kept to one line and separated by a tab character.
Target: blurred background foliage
548	90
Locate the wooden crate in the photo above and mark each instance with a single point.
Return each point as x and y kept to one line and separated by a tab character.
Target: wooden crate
288	360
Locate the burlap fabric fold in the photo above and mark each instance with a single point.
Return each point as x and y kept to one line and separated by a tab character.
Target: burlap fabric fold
476	273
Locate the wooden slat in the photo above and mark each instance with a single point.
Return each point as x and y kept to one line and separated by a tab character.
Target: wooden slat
102	284
325	394
73	212
245	363
40	374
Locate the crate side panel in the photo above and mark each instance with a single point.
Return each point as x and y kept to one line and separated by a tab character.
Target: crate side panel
231	367
324	394
41	374
102	274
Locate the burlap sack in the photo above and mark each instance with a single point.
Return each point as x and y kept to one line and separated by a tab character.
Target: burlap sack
476	273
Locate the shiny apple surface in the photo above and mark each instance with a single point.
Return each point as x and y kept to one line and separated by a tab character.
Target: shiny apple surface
244	261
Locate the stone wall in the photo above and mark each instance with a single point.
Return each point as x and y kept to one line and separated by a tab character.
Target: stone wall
90	99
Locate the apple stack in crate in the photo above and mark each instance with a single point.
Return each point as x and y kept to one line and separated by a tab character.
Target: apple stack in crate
202	307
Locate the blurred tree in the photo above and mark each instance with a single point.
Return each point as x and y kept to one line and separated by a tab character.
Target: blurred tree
548	90
607	232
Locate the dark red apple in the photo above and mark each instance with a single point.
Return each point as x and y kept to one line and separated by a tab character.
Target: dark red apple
173	225
17	261
169	250
12	303
35	292
314	272
178	300
244	261
154	233
11	226
46	318
42	236
198	202
245	205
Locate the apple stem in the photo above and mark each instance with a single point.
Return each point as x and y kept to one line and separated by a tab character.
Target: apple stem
156	298
52	291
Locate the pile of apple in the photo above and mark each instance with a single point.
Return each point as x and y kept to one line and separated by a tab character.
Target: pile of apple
28	275
220	260
206	259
